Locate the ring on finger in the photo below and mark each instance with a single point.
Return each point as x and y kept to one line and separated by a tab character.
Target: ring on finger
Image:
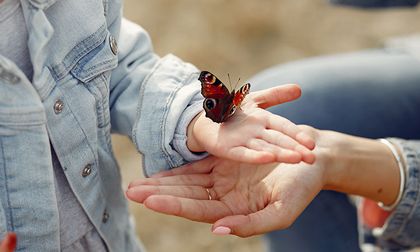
208	193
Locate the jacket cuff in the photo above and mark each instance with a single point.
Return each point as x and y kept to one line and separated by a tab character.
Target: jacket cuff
401	231
180	139
166	93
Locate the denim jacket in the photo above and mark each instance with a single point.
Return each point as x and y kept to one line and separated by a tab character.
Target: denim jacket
402	228
94	74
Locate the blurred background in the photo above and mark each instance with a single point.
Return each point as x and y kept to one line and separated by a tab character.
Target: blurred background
243	38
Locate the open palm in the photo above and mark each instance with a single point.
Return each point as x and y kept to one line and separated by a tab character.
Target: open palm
245	199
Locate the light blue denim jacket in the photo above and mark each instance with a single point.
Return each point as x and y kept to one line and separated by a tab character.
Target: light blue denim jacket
83	88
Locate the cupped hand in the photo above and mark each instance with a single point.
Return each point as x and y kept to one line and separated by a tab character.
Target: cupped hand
253	134
238	198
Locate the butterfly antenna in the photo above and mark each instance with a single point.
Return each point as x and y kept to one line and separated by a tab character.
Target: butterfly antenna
237	82
230	83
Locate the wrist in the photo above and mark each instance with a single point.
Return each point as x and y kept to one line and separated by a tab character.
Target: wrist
337	155
327	152
192	142
360	166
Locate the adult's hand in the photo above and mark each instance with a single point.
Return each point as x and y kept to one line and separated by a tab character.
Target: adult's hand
245	199
249	199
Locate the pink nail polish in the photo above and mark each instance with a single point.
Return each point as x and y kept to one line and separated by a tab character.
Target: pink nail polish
222	230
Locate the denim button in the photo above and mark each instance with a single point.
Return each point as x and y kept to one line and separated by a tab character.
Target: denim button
113	44
58	106
87	170
8	76
105	217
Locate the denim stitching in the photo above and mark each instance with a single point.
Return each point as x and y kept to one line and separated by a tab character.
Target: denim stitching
61	69
90	73
400	218
416	190
16	119
96	162
182	80
139	112
10	220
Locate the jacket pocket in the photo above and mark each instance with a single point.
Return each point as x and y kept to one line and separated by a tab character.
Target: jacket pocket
94	71
99	60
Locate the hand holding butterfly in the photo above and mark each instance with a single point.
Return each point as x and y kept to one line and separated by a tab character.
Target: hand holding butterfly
247	199
252	134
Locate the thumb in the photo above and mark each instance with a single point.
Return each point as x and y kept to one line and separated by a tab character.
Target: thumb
273	217
9	243
276	95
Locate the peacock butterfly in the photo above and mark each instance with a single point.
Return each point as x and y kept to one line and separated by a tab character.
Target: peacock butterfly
220	102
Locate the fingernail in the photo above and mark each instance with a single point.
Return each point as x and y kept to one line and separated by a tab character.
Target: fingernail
222	230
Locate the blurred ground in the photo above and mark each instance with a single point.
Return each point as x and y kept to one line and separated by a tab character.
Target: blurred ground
242	38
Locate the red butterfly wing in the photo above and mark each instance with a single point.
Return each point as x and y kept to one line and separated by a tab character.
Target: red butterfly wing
211	86
240	94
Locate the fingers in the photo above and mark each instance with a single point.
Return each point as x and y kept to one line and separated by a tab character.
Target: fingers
190	179
276	95
197	210
249	155
281	124
9	243
287	143
141	193
203	166
281	154
273	217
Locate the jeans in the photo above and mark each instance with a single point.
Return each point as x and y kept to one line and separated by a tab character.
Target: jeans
373	94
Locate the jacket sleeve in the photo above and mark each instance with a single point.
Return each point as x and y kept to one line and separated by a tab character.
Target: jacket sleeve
152	100
402	228
377	3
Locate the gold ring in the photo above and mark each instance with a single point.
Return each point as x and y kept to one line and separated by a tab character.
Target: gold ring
208	192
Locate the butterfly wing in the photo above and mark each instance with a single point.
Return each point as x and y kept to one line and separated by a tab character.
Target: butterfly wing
211	86
240	94
218	100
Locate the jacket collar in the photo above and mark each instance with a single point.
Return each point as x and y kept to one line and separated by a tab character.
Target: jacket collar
40	32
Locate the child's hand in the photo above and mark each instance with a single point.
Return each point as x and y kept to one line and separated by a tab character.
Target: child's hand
254	135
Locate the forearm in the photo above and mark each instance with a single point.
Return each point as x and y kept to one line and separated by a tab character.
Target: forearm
360	166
